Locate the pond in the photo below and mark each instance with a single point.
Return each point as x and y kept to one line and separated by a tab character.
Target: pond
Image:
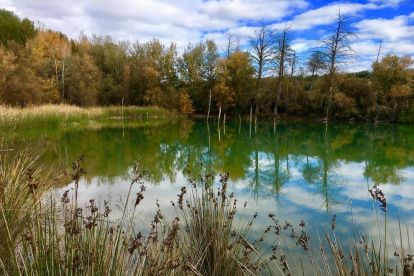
296	170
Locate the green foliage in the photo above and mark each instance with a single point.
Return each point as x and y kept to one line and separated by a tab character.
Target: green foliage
361	74
12	28
407	116
392	86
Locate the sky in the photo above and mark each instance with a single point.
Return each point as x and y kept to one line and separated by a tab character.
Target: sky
184	21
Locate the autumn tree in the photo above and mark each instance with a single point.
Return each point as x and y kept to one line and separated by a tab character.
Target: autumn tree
223	93
83	77
154	73
186	104
57	51
240	77
19	84
393	85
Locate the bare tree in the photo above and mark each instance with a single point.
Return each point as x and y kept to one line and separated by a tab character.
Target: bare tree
232	45
379	50
337	51
262	44
283	48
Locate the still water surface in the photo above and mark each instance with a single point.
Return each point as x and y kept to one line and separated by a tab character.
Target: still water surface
295	170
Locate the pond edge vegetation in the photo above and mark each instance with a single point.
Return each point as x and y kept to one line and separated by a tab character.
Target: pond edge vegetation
69	115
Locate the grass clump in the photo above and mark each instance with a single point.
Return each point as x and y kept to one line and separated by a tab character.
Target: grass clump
58	115
21	189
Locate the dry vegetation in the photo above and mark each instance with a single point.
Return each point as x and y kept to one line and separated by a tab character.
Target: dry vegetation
57	115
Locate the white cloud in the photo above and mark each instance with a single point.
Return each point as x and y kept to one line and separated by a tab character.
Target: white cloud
301	45
396	35
325	15
179	21
252	10
390	3
390	29
366	47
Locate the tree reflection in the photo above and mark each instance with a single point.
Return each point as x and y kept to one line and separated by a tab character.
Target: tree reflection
263	160
321	175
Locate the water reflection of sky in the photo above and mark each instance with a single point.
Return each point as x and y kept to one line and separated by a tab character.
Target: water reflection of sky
297	171
297	202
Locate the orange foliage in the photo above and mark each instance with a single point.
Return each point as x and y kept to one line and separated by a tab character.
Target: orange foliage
186	104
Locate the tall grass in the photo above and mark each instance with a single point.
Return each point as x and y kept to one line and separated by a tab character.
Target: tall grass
208	234
21	189
65	238
58	115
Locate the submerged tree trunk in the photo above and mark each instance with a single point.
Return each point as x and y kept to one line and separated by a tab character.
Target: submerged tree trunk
219	115
122	112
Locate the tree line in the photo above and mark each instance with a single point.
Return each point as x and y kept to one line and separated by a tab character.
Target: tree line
267	77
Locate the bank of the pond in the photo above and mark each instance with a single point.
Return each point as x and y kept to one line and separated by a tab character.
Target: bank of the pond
285	117
68	115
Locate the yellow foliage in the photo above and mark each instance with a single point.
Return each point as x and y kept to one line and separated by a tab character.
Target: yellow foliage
7	62
401	91
344	101
50	94
153	96
224	95
186	104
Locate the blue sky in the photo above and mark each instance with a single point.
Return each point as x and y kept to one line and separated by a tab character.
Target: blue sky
183	21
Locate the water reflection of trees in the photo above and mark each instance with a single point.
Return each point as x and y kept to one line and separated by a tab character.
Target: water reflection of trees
262	159
320	176
271	170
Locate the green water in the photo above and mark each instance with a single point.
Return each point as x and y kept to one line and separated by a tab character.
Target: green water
296	170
